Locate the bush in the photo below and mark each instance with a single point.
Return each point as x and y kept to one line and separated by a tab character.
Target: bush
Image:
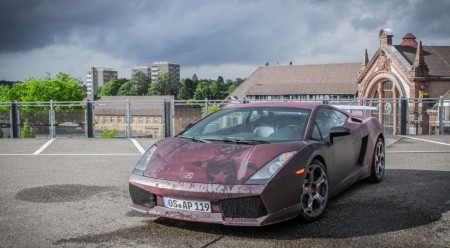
1	133
27	132
211	109
108	134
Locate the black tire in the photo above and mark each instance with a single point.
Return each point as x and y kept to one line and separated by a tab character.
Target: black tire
314	197
378	162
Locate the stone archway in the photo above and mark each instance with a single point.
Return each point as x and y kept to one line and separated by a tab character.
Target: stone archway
385	90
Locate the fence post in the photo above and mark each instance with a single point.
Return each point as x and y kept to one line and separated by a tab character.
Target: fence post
128	121
403	115
441	115
14	120
167	119
52	120
206	110
364	103
90	119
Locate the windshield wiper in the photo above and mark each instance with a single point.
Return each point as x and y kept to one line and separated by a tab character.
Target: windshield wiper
250	141
238	141
194	139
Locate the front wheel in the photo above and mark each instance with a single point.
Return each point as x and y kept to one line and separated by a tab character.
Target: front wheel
314	196
378	162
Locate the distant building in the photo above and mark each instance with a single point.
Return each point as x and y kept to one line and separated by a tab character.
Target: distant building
302	82
157	68
97	77
172	69
146	114
409	70
144	69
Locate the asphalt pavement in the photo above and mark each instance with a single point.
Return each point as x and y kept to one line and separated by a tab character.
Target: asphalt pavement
74	193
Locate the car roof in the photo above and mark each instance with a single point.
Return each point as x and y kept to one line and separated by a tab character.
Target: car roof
303	105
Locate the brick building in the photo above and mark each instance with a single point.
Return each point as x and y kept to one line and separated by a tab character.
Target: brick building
409	70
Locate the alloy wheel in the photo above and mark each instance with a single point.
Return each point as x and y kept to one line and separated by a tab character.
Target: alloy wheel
315	191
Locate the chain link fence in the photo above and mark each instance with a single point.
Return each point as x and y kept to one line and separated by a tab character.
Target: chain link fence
158	119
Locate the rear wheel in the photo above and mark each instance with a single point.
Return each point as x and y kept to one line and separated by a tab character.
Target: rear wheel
378	162
314	196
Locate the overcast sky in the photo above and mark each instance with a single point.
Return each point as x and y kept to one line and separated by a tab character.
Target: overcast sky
229	38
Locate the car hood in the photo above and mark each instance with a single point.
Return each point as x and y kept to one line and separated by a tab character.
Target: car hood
178	159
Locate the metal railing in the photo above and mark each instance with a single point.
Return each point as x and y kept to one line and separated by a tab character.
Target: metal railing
158	119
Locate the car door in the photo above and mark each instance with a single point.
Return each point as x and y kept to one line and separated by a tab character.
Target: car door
341	150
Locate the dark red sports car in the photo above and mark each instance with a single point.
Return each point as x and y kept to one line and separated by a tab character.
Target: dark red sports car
258	163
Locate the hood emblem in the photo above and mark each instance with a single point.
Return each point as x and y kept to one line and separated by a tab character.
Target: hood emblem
189	175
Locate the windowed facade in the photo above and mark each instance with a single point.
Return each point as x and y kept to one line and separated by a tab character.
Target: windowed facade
302	97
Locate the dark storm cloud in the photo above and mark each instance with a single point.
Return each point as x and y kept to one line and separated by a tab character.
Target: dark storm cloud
27	25
422	17
205	32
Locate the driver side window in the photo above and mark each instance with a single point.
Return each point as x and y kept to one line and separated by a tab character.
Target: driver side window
326	119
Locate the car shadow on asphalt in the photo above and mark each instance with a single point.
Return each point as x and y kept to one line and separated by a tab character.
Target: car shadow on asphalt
405	199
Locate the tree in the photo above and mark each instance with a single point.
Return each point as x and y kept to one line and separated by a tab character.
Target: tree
220	79
161	86
126	90
111	88
202	91
61	88
195	78
98	91
234	85
187	89
140	82
5	93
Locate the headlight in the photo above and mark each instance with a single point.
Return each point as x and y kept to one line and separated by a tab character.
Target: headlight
266	172
143	162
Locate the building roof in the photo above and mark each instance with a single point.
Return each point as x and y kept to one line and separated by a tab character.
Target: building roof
140	105
301	79
437	58
409	40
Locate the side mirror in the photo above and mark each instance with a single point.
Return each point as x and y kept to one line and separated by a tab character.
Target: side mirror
338	132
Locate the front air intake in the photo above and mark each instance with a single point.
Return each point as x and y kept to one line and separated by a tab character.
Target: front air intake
142	197
246	207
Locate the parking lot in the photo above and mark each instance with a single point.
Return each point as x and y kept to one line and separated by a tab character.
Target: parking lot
74	193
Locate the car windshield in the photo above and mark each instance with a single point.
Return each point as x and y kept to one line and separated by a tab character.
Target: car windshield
250	125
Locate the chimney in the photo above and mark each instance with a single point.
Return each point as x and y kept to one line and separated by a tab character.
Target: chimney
385	36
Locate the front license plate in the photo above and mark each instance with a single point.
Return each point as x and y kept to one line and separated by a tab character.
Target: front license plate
184	204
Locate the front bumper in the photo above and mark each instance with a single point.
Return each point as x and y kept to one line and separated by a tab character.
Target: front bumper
243	205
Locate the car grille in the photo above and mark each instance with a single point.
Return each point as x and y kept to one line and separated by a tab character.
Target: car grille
142	197
246	207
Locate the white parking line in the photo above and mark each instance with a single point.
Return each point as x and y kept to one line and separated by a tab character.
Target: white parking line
138	146
43	147
74	154
417	151
430	141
